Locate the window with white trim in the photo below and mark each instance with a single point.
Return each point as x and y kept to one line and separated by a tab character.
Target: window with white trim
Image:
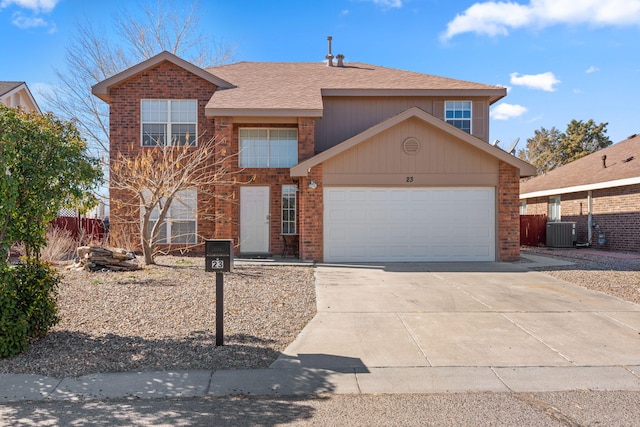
168	121
458	113
179	226
268	147
554	209
289	209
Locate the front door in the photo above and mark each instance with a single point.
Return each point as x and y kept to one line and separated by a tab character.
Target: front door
254	219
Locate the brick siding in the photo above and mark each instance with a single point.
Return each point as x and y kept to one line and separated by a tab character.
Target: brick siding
615	210
311	225
508	213
163	81
228	207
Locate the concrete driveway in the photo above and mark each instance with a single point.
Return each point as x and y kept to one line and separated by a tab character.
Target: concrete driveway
402	318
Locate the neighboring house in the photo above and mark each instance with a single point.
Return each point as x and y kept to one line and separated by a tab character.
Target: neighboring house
17	94
354	162
599	192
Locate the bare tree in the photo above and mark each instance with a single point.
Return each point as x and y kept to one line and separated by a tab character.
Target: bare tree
90	58
153	179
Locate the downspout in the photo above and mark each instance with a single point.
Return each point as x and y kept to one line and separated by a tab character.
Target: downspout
589	217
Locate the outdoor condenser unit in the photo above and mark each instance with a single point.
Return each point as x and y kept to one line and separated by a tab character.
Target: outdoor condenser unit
561	234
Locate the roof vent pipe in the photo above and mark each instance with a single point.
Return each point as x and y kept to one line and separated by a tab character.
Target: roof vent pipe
340	58
329	55
604	161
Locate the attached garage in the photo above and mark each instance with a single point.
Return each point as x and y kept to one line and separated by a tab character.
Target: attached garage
412	188
368	224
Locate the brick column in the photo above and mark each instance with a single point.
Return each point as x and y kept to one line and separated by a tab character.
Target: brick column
508	213
311	216
224	193
306	138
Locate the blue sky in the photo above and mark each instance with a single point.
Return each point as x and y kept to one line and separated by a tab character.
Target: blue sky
559	59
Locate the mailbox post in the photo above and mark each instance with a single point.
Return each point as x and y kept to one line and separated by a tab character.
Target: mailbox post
219	259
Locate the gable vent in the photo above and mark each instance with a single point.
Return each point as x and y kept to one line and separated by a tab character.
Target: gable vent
411	145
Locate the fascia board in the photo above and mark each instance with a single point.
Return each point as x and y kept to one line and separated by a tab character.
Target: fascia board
493	94
101	89
23	88
578	188
262	112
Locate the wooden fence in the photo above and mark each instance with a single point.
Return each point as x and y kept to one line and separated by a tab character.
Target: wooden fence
533	230
82	229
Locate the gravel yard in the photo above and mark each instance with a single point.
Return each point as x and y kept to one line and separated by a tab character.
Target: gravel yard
611	273
163	317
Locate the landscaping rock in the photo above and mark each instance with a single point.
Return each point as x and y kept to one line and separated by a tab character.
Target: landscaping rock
98	258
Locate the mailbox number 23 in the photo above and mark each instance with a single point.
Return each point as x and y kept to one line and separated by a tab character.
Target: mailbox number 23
217	264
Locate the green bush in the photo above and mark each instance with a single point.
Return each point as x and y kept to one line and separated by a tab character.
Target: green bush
28	304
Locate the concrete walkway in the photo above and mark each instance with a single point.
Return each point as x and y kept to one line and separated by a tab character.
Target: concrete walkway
415	328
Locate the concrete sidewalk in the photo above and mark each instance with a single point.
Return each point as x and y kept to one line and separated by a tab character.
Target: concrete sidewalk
415	328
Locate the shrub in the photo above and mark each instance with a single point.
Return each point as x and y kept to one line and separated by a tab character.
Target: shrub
60	245
28	304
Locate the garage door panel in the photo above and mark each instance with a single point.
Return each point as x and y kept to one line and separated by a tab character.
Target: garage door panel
378	196
398	224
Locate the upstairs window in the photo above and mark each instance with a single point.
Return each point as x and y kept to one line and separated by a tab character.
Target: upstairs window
289	209
458	113
168	122
268	148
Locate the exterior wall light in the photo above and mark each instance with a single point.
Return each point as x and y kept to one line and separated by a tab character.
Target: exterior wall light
313	185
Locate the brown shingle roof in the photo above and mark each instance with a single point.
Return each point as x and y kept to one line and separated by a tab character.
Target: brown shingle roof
623	162
8	86
300	85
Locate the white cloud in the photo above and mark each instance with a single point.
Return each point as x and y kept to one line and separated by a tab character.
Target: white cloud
24	22
495	18
38	6
545	81
506	111
388	3
592	69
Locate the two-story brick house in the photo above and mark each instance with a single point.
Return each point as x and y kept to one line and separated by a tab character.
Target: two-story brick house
358	162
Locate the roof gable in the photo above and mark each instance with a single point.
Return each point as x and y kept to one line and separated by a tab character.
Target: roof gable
101	89
6	87
27	101
588	173
302	168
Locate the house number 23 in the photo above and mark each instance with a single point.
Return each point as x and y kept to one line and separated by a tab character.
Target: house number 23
409	179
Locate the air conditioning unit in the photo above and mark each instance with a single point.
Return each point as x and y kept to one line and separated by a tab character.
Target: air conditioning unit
561	234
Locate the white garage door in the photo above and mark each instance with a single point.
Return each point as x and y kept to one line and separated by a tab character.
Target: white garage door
418	224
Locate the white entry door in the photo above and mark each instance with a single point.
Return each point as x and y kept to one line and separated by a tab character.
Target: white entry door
254	219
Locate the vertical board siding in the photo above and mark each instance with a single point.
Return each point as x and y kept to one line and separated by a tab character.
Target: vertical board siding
439	153
345	117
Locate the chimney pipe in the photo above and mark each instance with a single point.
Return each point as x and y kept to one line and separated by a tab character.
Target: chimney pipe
604	161
329	55
340	58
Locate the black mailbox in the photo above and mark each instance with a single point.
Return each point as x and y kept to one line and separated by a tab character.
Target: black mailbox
218	255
